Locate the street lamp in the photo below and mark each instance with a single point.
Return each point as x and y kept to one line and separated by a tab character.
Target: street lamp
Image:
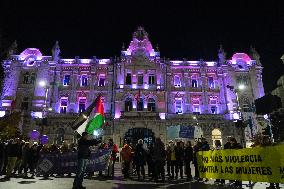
240	117
43	84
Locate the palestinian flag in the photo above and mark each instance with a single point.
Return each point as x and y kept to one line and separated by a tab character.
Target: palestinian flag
92	119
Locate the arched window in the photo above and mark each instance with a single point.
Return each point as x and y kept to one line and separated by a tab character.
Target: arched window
216	135
151	105
128	105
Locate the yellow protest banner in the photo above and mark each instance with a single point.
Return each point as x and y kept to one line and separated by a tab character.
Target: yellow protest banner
259	164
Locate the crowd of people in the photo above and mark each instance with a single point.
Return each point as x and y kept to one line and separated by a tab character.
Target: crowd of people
19	157
171	161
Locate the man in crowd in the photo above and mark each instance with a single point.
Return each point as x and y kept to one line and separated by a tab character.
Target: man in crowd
159	158
13	152
126	155
84	154
139	158
179	153
188	157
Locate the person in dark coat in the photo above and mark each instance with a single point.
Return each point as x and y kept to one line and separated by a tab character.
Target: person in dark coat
84	154
2	156
179	153
13	153
149	160
196	149
236	145
139	158
188	157
159	158
228	143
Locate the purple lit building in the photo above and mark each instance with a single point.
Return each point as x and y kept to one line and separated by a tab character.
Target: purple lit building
145	96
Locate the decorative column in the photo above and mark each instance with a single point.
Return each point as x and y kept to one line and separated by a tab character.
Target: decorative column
204	106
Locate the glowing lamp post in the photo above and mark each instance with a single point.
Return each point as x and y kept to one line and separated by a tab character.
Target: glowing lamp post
239	122
44	85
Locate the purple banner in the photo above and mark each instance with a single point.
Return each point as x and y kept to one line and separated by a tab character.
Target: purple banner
67	162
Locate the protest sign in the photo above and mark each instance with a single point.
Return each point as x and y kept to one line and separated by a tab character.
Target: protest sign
259	164
50	163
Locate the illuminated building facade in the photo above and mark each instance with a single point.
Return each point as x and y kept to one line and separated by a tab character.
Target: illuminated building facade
145	96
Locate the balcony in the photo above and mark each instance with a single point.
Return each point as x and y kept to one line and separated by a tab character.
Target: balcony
140	115
177	88
195	89
215	89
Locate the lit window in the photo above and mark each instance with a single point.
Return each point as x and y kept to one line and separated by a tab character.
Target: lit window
102	79
140	104
66	81
211	82
84	80
82	105
177	81
151	80
151	105
63	105
128	79
195	102
194	82
178	106
140	79
128	105
196	109
213	109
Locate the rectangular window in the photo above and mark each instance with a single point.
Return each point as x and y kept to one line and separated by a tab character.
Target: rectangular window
246	108
66	81
102	79
178	106
151	80
63	105
33	78
213	109
25	103
196	109
82	105
177	81
84	80
128	79
211	82
140	79
194	83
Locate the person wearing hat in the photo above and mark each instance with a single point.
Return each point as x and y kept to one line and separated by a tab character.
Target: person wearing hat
84	154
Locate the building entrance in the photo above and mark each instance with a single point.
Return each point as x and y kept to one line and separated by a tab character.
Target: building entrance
134	134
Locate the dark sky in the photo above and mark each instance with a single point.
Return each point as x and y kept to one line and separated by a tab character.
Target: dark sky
186	29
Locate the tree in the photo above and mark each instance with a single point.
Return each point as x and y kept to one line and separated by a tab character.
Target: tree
267	104
9	125
277	122
267	131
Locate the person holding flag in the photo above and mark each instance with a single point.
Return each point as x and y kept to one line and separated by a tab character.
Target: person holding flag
84	154
86	125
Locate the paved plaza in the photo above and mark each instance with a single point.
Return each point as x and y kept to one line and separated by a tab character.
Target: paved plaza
118	182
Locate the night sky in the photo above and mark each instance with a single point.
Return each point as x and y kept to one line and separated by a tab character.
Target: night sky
189	29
